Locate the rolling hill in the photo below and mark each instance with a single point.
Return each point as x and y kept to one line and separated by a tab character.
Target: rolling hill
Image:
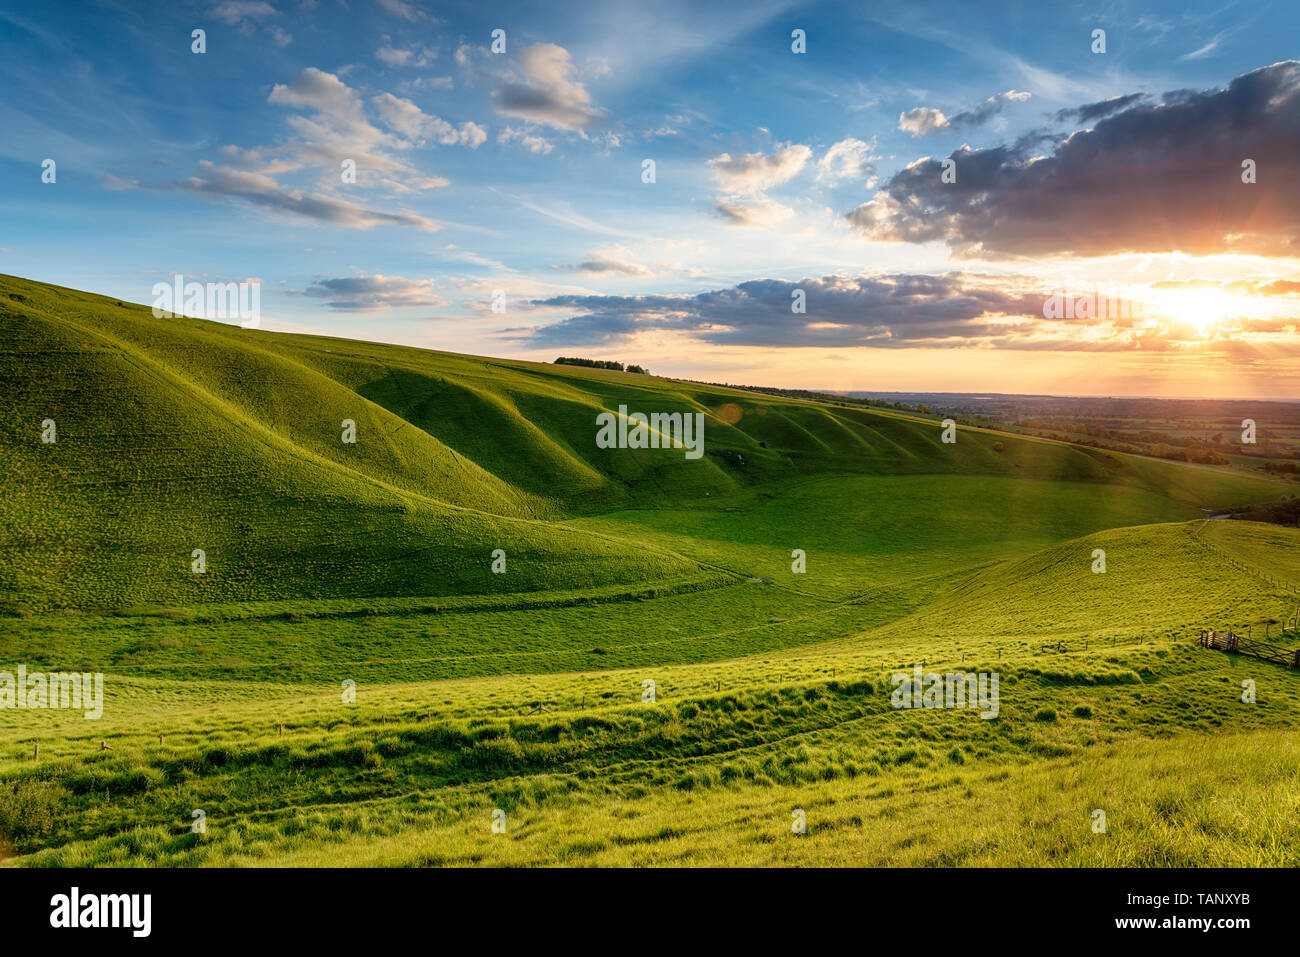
180	434
333	565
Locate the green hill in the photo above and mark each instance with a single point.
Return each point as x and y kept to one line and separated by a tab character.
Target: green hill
181	434
369	566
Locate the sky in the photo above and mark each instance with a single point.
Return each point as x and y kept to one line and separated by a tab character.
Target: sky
1060	198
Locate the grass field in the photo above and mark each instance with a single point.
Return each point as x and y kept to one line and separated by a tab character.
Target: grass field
523	692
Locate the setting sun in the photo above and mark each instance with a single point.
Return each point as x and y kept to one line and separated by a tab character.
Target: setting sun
1205	309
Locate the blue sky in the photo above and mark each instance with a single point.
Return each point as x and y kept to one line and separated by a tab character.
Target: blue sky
521	171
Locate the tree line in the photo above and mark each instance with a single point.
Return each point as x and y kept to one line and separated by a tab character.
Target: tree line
600	364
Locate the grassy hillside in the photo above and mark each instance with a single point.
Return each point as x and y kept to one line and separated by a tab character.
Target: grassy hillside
177	434
370	563
412	771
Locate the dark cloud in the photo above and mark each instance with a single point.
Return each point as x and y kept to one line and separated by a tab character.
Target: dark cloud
924	120
987	110
1150	178
953	310
374	293
599	264
265	192
894	310
1095	111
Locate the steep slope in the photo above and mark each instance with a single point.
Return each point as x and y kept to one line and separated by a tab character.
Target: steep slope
150	463
179	434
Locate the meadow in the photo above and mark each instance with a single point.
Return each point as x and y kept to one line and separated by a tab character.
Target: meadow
519	698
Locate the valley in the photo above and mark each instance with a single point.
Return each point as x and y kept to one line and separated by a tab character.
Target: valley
479	691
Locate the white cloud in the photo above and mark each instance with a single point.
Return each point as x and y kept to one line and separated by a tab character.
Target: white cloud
399	8
642	262
606	138
394	57
756	211
234	12
414	57
921	121
744	180
752	173
529	141
429	83
260	190
453	252
849	159
404	117
333	129
611	260
317	90
1203	51
547	90
338	129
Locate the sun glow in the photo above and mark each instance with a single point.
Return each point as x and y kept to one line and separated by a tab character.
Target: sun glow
1205	309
